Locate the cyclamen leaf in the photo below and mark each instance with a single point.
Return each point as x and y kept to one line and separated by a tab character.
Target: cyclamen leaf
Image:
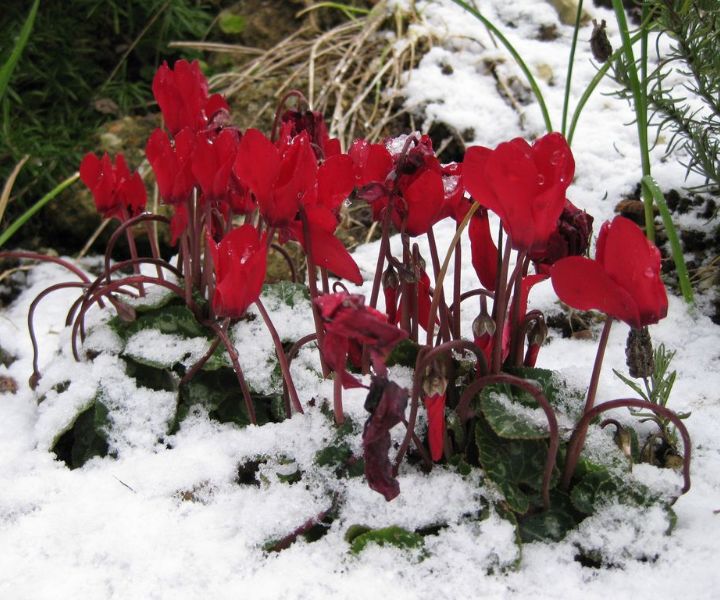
387	536
285	292
510	463
508	421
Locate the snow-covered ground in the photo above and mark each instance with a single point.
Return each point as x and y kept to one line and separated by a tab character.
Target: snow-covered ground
169	521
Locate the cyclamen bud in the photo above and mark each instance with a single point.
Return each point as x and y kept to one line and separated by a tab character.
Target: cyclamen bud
639	353
537	333
483	325
435	381
390	279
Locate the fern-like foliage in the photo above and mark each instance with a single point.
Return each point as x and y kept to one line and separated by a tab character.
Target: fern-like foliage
683	92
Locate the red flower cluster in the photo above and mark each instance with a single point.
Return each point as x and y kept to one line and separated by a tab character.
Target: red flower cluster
117	192
182	94
404	173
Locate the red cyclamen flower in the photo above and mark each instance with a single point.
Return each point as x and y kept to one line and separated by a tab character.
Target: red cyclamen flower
347	319
171	161
240	262
524	185
182	94
117	192
623	281
278	178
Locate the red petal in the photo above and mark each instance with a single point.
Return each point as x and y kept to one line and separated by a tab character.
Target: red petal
513	177
484	251
424	198
329	253
336	180
257	165
583	284
435	406
633	263
475	180
90	170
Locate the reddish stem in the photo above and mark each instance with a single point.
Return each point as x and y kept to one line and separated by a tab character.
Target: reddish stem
475	387
578	437
581	431
250	407
424	359
282	358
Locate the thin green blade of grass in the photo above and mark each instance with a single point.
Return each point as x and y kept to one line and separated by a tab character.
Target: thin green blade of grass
25	217
516	56
602	71
638	88
677	254
10	64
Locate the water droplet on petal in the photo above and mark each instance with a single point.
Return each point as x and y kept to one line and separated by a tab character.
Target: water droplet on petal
649	273
555	157
540	179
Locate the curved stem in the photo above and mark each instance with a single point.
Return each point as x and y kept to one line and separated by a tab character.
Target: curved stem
288	259
125	225
35	377
192	371
575	443
476	386
115	285
160	263
44	258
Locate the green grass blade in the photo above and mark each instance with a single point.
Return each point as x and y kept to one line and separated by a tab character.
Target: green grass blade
22	219
677	253
591	88
571	62
637	88
9	66
518	59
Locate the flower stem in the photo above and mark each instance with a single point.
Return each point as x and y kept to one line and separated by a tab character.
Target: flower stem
282	357
573	452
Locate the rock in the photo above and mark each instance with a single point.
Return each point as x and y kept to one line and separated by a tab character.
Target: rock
567	11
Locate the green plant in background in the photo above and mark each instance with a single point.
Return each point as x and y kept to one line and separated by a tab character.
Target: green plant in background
694	56
656	388
57	88
632	74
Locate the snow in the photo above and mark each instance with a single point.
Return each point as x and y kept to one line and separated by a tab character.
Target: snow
168	520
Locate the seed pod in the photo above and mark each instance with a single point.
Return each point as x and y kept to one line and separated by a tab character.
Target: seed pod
599	42
639	353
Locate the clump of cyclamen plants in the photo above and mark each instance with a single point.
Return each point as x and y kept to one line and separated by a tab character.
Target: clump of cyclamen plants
235	195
